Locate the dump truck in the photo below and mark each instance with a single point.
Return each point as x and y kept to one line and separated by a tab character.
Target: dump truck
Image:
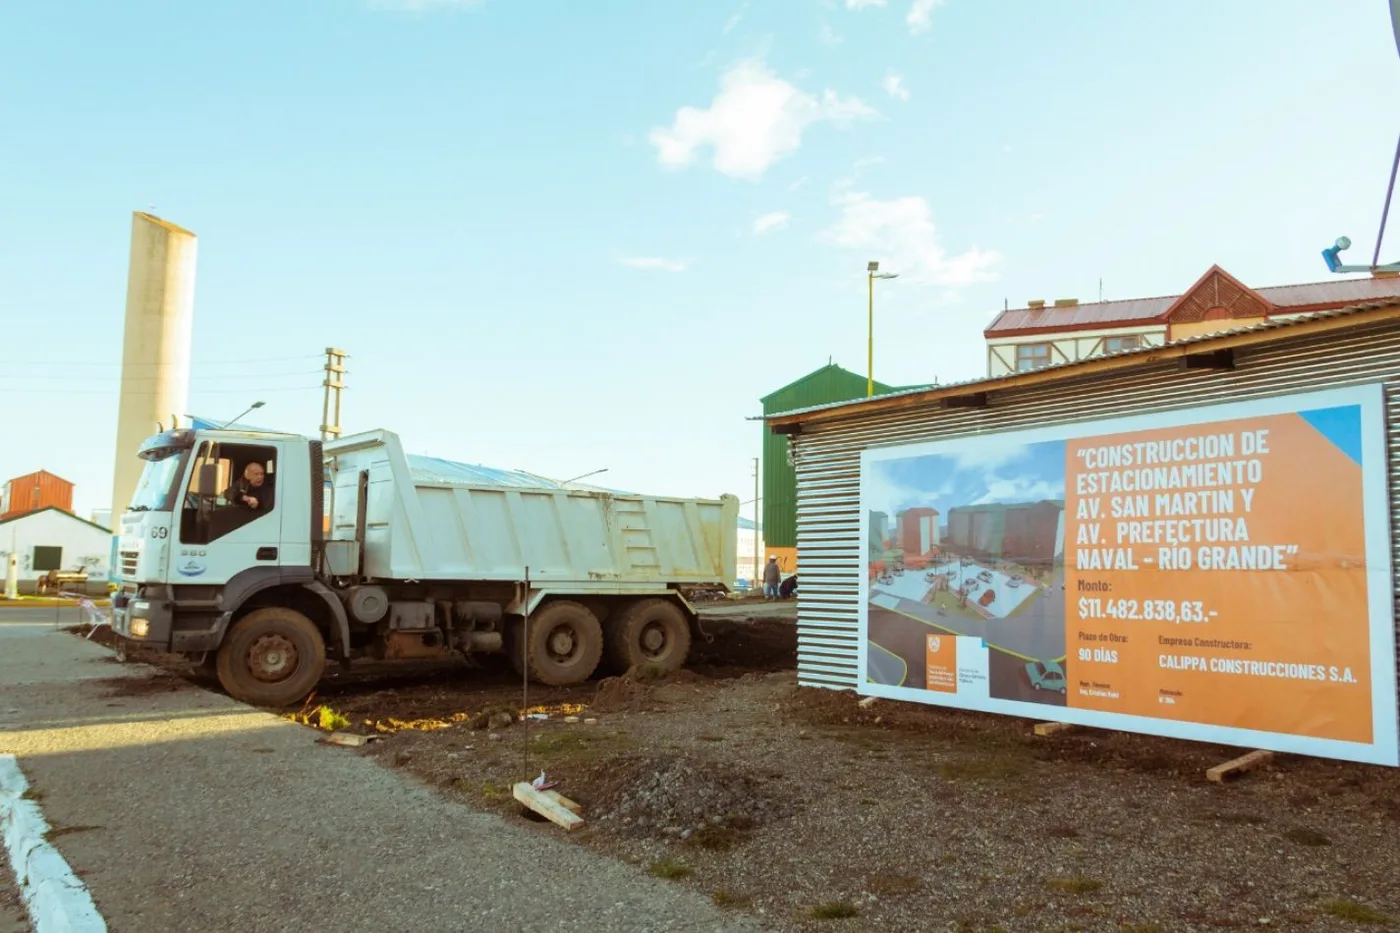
264	556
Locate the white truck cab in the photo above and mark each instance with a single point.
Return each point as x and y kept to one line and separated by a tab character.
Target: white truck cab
262	555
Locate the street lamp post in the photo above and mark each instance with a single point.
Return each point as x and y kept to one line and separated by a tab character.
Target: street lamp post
251	408
872	272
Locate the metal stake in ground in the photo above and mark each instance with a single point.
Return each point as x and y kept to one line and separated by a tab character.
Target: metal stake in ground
525	679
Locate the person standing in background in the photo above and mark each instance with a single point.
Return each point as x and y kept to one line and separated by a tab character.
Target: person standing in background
772	577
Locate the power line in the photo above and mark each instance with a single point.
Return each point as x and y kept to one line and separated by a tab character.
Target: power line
72	361
193	378
194	392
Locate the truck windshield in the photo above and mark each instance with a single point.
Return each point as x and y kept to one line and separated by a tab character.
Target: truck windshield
156	488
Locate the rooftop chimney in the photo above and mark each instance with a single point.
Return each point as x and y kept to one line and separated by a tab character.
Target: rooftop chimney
1036	303
1066	302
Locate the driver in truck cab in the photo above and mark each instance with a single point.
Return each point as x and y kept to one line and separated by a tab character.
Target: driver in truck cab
252	491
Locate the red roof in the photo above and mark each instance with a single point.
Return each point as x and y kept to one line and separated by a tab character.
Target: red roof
1142	312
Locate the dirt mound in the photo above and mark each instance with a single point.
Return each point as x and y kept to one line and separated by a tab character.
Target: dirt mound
742	645
688	800
620	695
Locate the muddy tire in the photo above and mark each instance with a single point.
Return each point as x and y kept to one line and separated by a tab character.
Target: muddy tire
271	657
566	644
510	644
653	632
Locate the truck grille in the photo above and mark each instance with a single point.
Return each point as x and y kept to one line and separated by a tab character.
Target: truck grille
129	560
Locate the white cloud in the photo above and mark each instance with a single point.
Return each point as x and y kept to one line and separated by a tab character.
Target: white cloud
767	223
865	162
755	120
734	20
862	4
797	184
920	16
894	86
900	234
654	262
828	36
1019	489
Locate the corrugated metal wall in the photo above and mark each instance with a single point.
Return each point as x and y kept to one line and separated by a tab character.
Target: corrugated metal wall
828	456
828	384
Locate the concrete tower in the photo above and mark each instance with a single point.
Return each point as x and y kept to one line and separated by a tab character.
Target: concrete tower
156	348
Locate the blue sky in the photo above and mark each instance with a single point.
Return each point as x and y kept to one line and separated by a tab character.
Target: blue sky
562	237
994	470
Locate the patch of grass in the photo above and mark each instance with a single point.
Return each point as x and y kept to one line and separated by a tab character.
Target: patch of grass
669	868
32	794
1075	885
1307	837
494	792
892	885
987	768
717	838
576	746
725	898
834	910
1344	909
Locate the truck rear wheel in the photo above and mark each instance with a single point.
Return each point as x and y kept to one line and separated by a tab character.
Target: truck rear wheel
271	657
566	644
651	632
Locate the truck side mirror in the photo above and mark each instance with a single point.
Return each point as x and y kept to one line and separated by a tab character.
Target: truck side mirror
206	479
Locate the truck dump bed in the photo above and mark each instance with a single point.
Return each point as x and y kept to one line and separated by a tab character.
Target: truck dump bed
437	524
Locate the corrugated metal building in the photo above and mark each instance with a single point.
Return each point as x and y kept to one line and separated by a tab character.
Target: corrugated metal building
34	491
829	384
1328	349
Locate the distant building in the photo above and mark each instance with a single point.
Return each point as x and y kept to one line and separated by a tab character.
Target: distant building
831	383
750	548
1023	532
918	531
34	491
1039	335
879	533
53	539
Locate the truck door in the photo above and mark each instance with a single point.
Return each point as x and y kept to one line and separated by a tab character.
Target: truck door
230	519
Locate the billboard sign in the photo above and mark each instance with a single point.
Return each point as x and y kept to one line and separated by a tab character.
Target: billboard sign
1221	574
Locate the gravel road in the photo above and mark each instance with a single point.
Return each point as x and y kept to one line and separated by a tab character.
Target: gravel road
181	809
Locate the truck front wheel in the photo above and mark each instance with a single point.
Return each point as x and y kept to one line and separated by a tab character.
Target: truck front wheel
271	657
566	644
651	632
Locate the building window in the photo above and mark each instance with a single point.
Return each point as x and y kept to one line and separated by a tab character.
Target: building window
47	558
1032	356
1120	344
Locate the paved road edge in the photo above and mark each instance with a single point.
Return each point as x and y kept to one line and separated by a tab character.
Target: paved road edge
56	900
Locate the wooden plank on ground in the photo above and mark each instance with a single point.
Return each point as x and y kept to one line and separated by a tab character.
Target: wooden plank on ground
1053	728
571	805
1239	765
348	739
540	802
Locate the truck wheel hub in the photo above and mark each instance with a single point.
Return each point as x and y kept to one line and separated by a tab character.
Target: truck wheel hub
272	658
561	643
653	639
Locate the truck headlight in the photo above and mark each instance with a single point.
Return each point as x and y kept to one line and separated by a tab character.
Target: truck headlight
140	628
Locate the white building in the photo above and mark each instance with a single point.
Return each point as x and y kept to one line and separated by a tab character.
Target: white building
750	544
52	539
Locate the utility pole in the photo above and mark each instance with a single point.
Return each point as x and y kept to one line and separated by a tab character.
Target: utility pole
757	529
334	383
